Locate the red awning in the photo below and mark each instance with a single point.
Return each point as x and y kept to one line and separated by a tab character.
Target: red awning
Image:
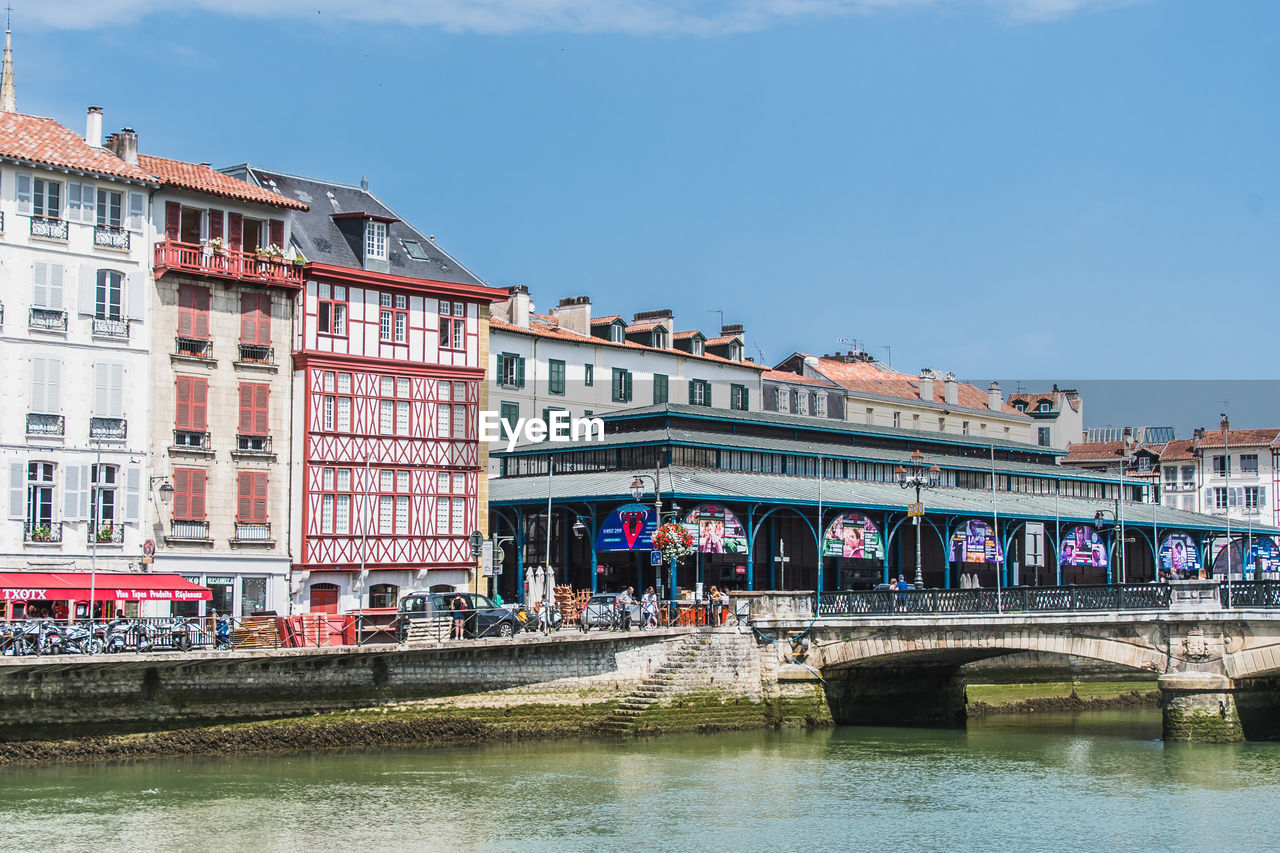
107	586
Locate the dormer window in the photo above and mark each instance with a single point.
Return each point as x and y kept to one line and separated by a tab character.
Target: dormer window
375	240
696	346
1020	406
735	352
660	337
616	333
1046	406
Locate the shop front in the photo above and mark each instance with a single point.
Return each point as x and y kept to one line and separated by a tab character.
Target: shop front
66	595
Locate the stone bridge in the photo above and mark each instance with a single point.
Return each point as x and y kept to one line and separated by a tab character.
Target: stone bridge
1218	670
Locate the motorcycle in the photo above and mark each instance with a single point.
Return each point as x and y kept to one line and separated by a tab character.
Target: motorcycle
80	639
222	632
117	636
543	619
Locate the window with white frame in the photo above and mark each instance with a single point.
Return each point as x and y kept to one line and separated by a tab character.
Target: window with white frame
109	296
375	240
783	399
39	495
820	404
451	503
335	500
331	310
46	198
1249	463
1252	497
109	209
102	507
453	324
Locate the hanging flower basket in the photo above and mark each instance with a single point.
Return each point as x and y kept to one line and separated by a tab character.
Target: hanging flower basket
673	541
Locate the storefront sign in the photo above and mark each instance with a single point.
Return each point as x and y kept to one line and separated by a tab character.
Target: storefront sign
630	527
1082	546
852	536
976	543
716	530
1179	554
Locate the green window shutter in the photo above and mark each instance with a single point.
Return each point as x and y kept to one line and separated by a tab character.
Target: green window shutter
501	366
693	392
510	413
618	387
706	396
659	388
626	391
555	376
519	371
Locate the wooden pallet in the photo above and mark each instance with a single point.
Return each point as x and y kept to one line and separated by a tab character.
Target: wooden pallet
259	632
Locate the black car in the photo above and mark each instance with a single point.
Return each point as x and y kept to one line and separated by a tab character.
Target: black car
482	617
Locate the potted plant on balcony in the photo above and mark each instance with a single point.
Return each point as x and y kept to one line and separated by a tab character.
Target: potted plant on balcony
41	533
298	259
270	252
105	533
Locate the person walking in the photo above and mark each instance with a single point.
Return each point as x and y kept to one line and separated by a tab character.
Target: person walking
649	609
624	601
459	606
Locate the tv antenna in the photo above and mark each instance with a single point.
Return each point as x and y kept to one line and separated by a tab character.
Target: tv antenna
719	311
888	354
853	342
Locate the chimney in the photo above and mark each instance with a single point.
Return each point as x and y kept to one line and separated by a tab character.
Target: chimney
951	390
1224	424
124	145
574	314
93	127
926	385
521	305
8	99
1197	435
995	400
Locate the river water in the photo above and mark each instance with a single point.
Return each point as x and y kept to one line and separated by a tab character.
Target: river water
1098	781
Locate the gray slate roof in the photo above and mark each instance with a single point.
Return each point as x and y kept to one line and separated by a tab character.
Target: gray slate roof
317	236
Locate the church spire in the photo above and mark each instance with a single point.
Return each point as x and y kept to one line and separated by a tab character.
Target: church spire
8	101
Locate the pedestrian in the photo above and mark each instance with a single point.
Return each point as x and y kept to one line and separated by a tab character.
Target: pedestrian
624	601
713	607
900	586
459	606
649	609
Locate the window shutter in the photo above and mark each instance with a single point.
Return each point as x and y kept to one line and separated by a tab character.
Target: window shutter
71	492
74	211
88	290
244	497
200	322
261	401
172	220
182	412
519	371
185	312
260	498
55	286
626	386
215	223
137	210
52	385
39	369
693	391
115	390
197	494
182	493
275	232
101	389
248	325
246	409
199	408
17	491
235	229
40	284
133	494
24	193
135	295
88	204
263	316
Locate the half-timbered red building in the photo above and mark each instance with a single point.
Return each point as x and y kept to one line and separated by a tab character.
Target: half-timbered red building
388	383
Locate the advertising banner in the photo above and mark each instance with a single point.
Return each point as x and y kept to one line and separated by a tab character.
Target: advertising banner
1262	553
852	536
630	527
1179	554
716	530
1082	545
975	542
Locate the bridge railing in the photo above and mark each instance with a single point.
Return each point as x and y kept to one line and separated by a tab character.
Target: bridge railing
1060	599
1250	594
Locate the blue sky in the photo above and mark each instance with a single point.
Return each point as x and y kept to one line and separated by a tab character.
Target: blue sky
1035	188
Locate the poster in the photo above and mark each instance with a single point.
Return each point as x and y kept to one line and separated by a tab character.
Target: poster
1263	553
1180	555
630	527
975	542
716	530
1082	545
852	536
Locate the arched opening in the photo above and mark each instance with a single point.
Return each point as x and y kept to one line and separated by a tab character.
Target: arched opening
323	598
383	595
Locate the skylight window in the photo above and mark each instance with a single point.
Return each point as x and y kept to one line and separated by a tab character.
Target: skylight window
414	248
375	240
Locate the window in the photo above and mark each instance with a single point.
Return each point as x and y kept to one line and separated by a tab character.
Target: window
375	240
108	389
784	399
393	502
1219	497
555	376
255	319
735	352
451	419
660	384
192	404
1249	463
621	385
332	311
915	421
393	320
335	500
561	432
1171	476
1220	465
1046	406
696	346
415	250
801	404
110	209
39	496
193	312
964	427
589	375
660	337
109	296
102	502
46	384
188	494
384	595
820	405
699	392
46	198
510	414
897	419
1144	464
47	286
510	370
254	400
1188	475
453	324
616	332
1252	497
251	497
1042	436
739	399
336	410
451	504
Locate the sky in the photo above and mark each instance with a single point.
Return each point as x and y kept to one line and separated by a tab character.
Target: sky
1035	188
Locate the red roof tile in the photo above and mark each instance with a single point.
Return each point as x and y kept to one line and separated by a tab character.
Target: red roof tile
42	140
1093	451
548	329
203	179
787	376
874	378
1239	438
687	333
600	321
1177	450
723	339
642	327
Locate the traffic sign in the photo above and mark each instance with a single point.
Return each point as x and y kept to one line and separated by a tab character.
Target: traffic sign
915	510
655	558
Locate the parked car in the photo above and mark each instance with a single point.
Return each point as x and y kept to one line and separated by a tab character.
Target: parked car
484	618
602	611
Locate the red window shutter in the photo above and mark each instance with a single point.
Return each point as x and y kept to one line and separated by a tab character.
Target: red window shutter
248	318
199	403
215	223
261	402
172	220
200	321
275	232
186	301
181	493
235	229
260	498
244	497
197	495
182	416
264	319
246	409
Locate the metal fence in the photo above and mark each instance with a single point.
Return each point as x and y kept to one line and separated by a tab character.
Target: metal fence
1054	599
1250	594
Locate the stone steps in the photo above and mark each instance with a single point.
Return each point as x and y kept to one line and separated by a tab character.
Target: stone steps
630	712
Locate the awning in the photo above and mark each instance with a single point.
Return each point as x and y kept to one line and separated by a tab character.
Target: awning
107	586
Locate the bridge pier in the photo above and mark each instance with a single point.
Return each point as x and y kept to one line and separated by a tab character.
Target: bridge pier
920	695
1199	707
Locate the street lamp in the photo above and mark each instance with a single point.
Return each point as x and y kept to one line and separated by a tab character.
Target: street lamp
921	478
579	529
637	492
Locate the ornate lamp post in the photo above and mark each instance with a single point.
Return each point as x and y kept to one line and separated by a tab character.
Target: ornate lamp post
921	478
637	492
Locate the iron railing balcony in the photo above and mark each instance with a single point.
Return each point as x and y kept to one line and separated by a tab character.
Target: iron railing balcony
107	429
253	443
109	533
1019	599
225	263
191	439
39	424
47	320
253	531
257	354
189	530
110	237
106	327
193	347
45	531
48	228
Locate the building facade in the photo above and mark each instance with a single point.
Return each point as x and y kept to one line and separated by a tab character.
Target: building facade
1057	415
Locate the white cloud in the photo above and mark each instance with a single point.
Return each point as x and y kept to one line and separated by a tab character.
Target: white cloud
633	17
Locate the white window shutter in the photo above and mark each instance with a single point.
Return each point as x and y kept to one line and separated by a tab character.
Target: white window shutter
89	204
135	295
73	201
17	491
133	494
55	286
52	385
39	385
86	491
116	390
137	210
71	492
88	290
40	284
101	389
24	193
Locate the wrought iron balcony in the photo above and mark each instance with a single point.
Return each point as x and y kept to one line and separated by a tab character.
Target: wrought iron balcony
107	429
257	354
110	237
191	439
106	534
104	327
193	347
47	320
189	530
224	263
42	532
48	228
46	425
253	443
255	532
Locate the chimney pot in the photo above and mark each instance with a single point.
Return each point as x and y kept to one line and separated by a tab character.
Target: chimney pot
93	127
